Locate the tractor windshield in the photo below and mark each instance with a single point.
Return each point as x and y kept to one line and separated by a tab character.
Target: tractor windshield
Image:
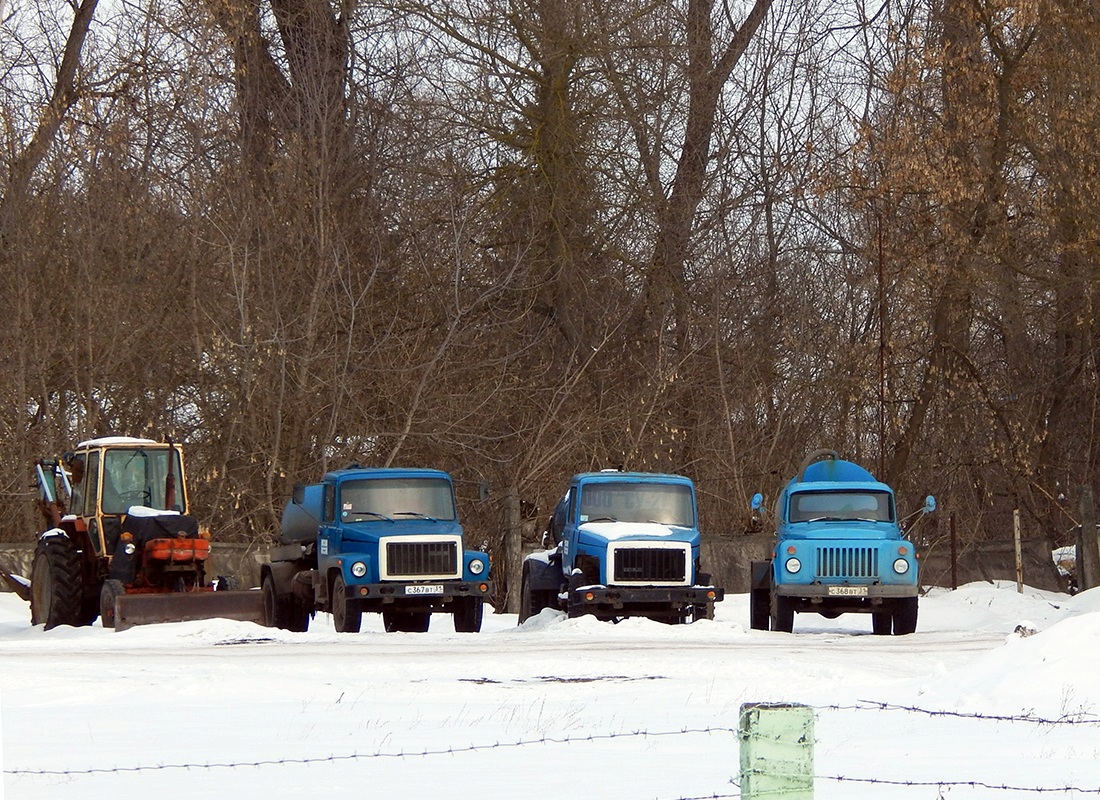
843	506
138	477
667	504
397	498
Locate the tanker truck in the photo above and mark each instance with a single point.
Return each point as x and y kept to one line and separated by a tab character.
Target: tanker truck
379	540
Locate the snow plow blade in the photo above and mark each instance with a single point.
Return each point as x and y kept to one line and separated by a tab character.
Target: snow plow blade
150	609
18	585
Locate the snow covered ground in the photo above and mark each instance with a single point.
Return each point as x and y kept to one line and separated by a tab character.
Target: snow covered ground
555	708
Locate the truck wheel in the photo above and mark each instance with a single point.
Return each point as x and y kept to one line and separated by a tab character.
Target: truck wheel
574	607
881	621
702	611
111	590
905	616
56	583
531	602
344	618
783	620
468	613
406	621
759	609
288	613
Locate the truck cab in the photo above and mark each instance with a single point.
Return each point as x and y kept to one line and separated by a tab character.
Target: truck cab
375	540
839	549
623	544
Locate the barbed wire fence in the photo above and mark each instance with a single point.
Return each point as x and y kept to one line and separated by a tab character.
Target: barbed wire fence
1071	719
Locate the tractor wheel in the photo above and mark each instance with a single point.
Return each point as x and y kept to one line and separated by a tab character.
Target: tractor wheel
107	595
468	613
783	619
905	616
345	618
56	583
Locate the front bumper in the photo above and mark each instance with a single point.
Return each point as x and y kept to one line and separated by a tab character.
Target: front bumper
624	599
409	596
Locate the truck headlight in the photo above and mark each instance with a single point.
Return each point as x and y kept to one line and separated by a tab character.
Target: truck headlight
130	548
477	566
792	565
358	569
901	566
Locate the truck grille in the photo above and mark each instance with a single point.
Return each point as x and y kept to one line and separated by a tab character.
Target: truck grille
412	559
847	562
649	565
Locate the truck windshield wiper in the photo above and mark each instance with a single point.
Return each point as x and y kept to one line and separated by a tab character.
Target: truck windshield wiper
828	519
413	514
602	519
358	513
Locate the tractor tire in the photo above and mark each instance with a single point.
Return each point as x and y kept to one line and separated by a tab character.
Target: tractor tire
345	618
57	590
107	596
905	616
468	614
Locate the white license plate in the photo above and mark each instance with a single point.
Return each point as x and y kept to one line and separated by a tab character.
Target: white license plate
847	591
429	588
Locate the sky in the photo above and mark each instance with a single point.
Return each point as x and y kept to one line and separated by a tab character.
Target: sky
995	689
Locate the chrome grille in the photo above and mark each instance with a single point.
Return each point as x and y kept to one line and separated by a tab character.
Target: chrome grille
846	562
649	565
411	559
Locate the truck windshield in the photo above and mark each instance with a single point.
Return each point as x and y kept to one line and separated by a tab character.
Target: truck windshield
668	504
138	478
846	506
397	498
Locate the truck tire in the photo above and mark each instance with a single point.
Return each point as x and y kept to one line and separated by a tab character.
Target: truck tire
531	601
702	611
468	614
57	589
905	616
759	609
406	621
111	590
574	607
344	618
783	619
287	613
881	622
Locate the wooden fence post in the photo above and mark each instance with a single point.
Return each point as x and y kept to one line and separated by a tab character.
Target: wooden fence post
1019	550
777	751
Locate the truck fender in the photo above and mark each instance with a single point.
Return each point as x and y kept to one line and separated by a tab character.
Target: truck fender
761	575
543	574
282	573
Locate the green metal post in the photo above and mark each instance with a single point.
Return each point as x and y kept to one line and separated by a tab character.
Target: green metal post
777	751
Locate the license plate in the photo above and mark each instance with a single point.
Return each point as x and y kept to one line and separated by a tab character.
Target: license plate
429	588
847	591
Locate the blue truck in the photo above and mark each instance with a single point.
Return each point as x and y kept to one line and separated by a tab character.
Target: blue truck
621	544
380	540
839	549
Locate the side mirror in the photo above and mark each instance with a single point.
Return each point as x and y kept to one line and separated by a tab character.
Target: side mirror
929	504
757	502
